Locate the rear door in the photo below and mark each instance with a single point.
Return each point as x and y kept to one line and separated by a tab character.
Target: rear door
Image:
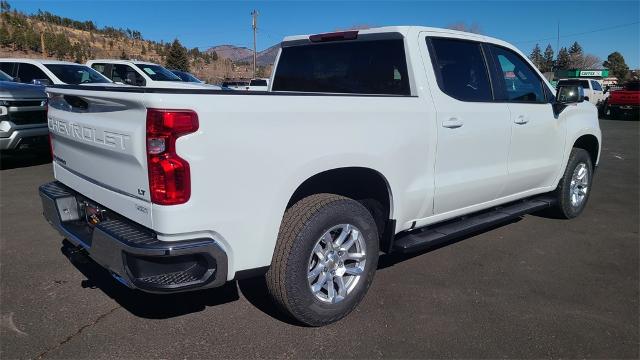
597	92
537	139
473	130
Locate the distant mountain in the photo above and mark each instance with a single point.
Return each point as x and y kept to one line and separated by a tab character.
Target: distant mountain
265	57
231	52
242	54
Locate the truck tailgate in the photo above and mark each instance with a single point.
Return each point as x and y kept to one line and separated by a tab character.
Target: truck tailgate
98	140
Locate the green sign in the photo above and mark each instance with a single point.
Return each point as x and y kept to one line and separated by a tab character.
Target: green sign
600	73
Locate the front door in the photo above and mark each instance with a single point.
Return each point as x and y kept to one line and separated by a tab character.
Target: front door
537	139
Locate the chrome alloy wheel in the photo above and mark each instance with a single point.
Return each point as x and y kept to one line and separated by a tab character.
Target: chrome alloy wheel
579	185
337	263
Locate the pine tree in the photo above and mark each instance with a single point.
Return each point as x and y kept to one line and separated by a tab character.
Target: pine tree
563	60
615	62
536	57
576	56
547	59
177	57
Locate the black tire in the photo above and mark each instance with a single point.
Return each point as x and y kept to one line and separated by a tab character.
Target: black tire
302	226
564	207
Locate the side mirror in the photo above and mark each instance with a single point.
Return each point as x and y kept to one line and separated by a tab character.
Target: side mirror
43	82
606	89
569	94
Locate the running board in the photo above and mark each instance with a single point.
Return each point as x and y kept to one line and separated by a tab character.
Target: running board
434	235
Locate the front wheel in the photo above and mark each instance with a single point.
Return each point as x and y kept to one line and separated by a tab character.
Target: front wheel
573	191
325	259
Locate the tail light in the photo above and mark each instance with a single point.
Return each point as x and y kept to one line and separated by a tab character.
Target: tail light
169	177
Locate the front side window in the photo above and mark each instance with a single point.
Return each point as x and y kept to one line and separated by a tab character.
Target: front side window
76	74
596	85
350	67
521	83
101	68
158	73
460	69
28	72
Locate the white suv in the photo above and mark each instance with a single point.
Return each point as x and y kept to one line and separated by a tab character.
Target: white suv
50	72
141	73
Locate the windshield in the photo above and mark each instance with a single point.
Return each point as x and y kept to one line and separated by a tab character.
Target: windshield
185	76
158	73
76	74
5	77
632	86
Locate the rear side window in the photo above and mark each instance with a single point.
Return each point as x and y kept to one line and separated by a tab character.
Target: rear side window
7	68
351	67
460	69
27	73
520	81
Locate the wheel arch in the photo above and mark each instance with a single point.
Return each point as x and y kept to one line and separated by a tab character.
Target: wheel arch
366	185
591	144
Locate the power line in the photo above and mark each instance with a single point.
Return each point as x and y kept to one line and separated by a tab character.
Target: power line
580	33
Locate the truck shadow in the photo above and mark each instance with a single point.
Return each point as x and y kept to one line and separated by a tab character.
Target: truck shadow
26	158
163	306
146	305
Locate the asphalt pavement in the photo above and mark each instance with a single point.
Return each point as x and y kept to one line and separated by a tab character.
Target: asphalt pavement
533	288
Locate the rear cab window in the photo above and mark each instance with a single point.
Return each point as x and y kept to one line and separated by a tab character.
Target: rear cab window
368	67
258	82
583	83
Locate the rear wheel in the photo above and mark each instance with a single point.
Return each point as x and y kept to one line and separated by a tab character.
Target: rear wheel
325	259
573	191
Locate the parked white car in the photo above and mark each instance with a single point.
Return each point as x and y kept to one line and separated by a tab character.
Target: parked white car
391	139
593	91
49	72
141	73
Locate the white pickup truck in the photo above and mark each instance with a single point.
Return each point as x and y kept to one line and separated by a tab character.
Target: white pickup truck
391	139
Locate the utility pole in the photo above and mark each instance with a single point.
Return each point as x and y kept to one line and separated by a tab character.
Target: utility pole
558	39
254	25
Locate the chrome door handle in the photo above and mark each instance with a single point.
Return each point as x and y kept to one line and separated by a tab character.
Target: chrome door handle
452	123
521	120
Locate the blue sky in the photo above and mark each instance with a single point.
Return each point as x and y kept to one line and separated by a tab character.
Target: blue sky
601	27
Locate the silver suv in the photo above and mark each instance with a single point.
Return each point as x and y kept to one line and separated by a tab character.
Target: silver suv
23	115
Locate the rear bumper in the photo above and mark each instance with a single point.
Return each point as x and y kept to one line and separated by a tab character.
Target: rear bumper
131	252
